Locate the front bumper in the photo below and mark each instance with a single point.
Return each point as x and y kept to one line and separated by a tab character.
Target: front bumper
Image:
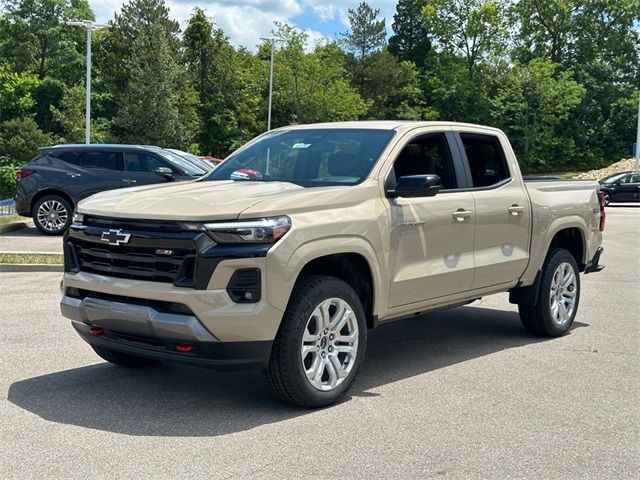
148	332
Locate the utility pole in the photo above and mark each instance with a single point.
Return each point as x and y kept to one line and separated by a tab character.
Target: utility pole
90	26
272	41
638	127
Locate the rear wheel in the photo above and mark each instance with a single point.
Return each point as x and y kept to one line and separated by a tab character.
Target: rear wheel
321	343
122	359
558	298
52	215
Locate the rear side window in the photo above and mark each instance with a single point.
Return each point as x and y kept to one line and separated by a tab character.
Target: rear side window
100	159
72	158
486	159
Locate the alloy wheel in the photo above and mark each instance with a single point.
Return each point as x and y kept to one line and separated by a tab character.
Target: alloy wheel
562	298
329	344
52	215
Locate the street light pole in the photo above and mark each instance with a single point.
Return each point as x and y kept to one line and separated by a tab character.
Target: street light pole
272	41
638	127
90	26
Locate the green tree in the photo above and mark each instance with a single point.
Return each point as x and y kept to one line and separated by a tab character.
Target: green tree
309	87
410	40
155	103
214	69
473	28
534	105
367	33
16	92
35	36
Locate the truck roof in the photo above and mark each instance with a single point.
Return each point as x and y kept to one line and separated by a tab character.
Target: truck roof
385	125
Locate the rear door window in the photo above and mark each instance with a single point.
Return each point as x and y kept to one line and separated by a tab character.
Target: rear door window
486	159
102	159
72	158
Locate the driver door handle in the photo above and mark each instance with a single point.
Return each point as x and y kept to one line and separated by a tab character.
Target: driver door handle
515	210
128	180
461	214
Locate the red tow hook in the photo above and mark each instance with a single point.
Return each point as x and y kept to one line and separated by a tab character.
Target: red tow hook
184	347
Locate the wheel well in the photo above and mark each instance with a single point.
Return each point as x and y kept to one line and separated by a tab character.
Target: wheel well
351	268
570	239
47	192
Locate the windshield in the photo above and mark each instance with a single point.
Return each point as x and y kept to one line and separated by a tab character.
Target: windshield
184	164
307	157
614	178
194	159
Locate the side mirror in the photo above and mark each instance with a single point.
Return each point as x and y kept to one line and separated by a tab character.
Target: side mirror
416	186
165	172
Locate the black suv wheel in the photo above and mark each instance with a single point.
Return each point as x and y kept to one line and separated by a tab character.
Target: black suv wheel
52	215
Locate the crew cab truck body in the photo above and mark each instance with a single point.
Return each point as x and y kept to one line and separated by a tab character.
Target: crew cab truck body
352	225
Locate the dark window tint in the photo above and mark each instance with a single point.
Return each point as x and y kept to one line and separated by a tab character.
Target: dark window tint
142	162
155	163
486	159
72	158
625	179
424	156
635	178
100	159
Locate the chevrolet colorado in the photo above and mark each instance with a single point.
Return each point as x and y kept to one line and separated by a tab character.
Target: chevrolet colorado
342	227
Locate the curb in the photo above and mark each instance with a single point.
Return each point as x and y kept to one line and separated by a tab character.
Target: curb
11	227
30	267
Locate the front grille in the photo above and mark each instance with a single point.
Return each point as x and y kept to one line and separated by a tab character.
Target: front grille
132	262
132	224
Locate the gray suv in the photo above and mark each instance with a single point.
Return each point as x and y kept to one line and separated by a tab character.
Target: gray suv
50	186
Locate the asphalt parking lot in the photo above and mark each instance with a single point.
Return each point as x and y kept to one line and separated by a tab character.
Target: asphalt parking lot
464	393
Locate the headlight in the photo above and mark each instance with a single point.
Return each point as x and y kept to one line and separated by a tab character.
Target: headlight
78	217
264	230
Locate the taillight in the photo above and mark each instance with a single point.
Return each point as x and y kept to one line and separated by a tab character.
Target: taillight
24	173
603	215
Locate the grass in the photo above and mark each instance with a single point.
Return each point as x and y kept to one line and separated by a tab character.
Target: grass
4	219
38	258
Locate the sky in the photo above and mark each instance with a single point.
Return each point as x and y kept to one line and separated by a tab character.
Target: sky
245	21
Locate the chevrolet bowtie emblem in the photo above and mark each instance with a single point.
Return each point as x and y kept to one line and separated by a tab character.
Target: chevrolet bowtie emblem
115	237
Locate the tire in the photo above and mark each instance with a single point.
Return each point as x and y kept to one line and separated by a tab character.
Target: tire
607	198
52	215
307	343
550	317
122	359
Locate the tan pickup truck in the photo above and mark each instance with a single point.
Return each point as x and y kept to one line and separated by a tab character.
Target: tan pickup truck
308	236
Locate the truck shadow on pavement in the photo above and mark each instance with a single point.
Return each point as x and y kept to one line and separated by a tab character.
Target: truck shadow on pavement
189	401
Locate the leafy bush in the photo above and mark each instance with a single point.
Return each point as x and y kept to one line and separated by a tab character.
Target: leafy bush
7	178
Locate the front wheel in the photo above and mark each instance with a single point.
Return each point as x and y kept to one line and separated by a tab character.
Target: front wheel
558	298
607	198
321	343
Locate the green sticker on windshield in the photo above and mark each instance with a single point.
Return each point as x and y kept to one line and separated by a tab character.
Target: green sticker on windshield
301	145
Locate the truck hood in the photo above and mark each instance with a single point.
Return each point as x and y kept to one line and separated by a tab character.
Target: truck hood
205	200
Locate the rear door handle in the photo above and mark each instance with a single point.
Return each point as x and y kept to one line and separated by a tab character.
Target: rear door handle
128	180
515	210
461	214
73	175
